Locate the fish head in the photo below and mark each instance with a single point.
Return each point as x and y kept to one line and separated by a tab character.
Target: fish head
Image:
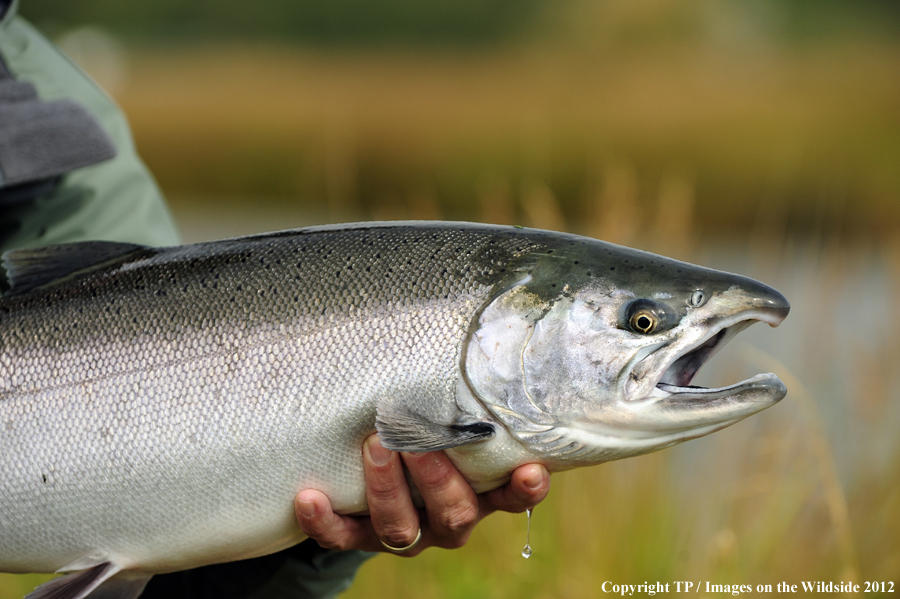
589	355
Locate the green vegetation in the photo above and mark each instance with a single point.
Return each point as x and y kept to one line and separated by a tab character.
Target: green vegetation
432	22
331	22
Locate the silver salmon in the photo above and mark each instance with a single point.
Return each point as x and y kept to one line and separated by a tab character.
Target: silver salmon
161	407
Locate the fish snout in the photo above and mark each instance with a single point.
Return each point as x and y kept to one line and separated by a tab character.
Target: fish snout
772	307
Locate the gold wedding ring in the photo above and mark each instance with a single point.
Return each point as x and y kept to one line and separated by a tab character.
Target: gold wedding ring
404	549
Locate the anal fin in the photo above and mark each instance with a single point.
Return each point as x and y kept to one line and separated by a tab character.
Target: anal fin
124	585
76	585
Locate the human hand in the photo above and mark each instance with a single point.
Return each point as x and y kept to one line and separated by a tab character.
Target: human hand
452	509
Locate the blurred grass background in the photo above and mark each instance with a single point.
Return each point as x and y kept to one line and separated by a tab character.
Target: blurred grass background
759	137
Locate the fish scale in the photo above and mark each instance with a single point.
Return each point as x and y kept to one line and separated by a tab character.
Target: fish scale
161	408
188	369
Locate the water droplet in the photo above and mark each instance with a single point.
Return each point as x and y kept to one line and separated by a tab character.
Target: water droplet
526	551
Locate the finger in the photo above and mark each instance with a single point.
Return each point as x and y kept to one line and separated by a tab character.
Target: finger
331	531
394	517
451	505
527	487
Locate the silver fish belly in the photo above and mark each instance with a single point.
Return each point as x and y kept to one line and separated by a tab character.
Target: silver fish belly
160	408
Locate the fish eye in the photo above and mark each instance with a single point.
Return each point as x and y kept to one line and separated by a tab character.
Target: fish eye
697	298
643	322
645	317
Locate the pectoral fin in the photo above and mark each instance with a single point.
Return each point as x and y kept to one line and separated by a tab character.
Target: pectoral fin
401	429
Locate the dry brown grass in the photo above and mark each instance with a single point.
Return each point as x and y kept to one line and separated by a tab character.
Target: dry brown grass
802	133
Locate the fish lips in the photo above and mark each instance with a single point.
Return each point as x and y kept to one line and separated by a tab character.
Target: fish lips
688	413
766	384
663	376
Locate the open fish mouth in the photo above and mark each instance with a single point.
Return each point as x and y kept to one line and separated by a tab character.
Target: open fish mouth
682	371
675	381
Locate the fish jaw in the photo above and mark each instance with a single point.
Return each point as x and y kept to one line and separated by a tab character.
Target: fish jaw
637	428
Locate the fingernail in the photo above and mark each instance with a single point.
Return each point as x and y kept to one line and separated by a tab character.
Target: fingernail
307	508
377	453
535	480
